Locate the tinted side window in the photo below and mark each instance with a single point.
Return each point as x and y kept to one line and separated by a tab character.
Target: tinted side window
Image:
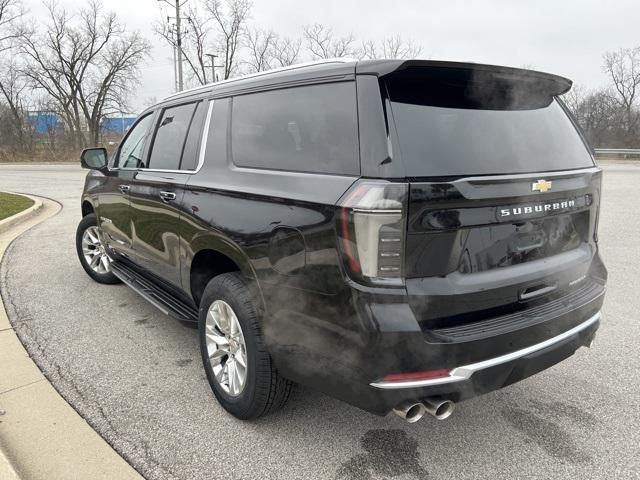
132	148
170	137
192	145
307	129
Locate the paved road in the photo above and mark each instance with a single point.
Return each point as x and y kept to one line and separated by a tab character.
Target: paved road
135	375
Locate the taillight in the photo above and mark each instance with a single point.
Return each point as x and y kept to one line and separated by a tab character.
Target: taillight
371	229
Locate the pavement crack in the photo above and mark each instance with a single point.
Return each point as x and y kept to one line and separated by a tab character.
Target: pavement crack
21	386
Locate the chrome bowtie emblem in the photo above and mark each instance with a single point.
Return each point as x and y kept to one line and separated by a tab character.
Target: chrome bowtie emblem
541	186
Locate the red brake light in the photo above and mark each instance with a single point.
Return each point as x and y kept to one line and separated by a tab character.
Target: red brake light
394	377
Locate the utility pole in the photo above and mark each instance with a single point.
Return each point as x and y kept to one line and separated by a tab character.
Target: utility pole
212	57
179	45
175	70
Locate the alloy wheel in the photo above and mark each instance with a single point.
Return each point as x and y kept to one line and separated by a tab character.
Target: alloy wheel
226	348
94	251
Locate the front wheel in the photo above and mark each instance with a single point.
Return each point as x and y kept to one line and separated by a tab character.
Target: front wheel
91	251
238	366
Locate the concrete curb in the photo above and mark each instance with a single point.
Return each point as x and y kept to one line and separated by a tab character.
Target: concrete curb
7	472
41	435
19	217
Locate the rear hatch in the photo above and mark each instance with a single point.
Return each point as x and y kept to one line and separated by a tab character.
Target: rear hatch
503	197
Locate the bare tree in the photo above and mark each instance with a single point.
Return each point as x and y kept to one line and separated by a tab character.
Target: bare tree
12	84
322	43
230	21
574	98
195	44
390	47
285	51
603	120
87	63
260	44
623	68
396	47
13	133
11	12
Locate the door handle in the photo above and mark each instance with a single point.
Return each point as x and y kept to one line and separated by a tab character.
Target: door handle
124	188
167	196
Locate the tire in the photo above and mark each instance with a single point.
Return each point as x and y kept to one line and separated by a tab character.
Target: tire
86	243
264	390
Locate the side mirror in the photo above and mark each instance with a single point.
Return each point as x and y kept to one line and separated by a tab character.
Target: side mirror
94	158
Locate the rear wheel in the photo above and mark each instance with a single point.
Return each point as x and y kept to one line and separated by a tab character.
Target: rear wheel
238	366
92	251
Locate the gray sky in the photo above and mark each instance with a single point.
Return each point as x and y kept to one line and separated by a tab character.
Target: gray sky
565	37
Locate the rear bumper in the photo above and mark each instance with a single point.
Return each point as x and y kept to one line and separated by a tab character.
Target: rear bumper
387	338
475	379
520	357
351	367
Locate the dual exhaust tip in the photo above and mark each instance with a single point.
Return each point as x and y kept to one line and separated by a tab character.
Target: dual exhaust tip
411	411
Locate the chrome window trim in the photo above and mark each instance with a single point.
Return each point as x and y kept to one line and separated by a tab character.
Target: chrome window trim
201	154
205	137
465	372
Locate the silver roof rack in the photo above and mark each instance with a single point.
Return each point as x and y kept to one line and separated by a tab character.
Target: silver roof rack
264	73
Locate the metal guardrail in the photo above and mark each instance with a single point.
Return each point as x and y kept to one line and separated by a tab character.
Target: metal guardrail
618	152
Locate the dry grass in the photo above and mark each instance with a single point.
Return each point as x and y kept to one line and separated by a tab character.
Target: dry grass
11	204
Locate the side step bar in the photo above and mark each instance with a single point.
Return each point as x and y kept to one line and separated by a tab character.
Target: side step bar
157	296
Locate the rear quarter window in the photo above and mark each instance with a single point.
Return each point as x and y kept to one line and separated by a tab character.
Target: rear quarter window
306	129
192	144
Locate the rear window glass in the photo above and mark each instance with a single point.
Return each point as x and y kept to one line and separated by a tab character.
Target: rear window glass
455	129
170	137
307	129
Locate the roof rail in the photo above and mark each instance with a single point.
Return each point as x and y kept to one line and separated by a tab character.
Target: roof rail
266	72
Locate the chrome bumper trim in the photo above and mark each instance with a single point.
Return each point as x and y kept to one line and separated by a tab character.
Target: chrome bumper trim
465	372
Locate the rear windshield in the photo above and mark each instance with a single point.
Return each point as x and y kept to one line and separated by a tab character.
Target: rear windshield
454	128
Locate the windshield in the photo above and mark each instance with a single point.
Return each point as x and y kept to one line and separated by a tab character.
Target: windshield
463	129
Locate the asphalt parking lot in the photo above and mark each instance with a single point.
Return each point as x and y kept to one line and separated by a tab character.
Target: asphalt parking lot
135	376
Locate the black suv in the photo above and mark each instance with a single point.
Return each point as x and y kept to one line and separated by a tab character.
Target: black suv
400	235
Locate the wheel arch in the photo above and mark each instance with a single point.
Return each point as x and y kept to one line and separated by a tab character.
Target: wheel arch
213	255
87	208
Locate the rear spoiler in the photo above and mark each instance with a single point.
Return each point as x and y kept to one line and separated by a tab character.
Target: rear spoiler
540	81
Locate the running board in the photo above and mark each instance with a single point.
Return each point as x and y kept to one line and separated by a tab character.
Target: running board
157	296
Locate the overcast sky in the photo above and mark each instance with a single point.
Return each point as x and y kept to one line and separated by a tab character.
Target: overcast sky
567	37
